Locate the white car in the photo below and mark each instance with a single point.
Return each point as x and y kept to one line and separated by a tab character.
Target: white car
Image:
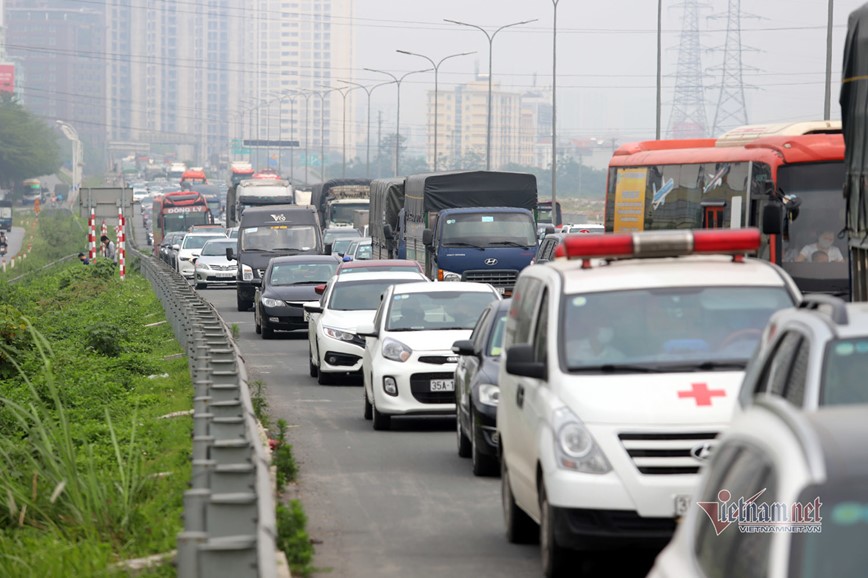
212	266
622	364
348	301
408	365
784	495
190	248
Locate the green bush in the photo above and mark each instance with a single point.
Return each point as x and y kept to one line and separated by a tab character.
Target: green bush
106	338
293	539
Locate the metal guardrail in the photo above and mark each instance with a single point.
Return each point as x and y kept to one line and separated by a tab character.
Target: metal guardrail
229	512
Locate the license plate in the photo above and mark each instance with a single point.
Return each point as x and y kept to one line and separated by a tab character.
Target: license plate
306	316
442	385
226	275
682	504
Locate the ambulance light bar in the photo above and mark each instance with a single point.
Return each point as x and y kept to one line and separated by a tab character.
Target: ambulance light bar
651	244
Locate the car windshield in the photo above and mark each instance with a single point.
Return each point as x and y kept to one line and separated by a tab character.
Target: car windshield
215	248
844	369
839	549
278	237
329	235
363	252
437	310
361	295
666	328
495	342
301	273
198	241
341	245
489	229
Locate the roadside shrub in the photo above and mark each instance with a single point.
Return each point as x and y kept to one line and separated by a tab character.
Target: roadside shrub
105	338
292	537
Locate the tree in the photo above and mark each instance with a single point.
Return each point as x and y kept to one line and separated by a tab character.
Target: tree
28	146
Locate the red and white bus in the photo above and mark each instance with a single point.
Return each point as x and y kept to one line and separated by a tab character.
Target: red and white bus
784	179
178	212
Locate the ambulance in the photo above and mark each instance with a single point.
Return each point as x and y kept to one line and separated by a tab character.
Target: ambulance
623	359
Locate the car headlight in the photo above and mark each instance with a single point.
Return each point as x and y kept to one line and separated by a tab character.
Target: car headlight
203	266
338	334
489	394
575	448
246	273
395	350
268	302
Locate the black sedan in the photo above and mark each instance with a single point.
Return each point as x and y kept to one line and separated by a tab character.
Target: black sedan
287	284
476	389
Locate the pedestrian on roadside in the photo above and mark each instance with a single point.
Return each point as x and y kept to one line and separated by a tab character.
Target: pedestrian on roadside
83	258
108	248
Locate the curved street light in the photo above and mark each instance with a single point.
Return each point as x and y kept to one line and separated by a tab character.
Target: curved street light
490	36
397	80
72	135
555	116
436	66
368	90
343	91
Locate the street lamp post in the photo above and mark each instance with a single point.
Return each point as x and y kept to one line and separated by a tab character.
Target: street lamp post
659	66
397	80
343	91
828	105
307	94
72	135
436	66
490	37
322	161
368	90
291	95
555	116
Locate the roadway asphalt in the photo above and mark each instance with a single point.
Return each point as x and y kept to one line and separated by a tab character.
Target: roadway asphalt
13	240
386	504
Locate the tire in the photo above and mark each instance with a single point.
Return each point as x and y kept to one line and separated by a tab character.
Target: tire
267	332
257	326
313	370
556	561
382	421
483	464
323	378
369	410
520	528
463	442
201	285
242	304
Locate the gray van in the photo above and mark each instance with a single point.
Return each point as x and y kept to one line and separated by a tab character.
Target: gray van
267	232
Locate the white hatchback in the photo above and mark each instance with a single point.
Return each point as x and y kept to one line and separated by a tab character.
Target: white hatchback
408	364
190	249
348	301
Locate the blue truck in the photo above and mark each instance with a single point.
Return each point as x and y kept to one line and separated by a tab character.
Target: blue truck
471	225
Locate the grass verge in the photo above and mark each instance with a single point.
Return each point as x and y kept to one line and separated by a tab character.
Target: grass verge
91	475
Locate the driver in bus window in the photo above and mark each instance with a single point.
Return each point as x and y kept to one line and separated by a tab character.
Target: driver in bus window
825	243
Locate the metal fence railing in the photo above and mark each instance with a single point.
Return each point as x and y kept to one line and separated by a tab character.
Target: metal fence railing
229	512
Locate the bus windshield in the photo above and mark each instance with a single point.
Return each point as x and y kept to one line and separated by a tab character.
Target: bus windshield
813	253
489	229
183	221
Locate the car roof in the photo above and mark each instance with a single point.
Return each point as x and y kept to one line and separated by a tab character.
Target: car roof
379	275
207	233
429	287
305	259
688	271
218	240
379	263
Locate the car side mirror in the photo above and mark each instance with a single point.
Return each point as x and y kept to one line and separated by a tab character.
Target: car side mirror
520	361
176	247
230	254
319	289
312	307
366	330
388	233
427	237
773	218
550	230
463	347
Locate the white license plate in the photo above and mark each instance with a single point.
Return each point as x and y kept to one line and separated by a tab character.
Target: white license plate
682	504
226	275
442	385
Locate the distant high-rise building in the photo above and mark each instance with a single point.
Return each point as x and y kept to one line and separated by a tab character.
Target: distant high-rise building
60	66
462	130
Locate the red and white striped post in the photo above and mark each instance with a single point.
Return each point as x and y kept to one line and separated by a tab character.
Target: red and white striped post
122	238
91	235
103	229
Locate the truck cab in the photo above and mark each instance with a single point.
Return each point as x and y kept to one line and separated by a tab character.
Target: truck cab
482	244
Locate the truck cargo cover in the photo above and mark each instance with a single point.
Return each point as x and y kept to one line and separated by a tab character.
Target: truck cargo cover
437	191
854	116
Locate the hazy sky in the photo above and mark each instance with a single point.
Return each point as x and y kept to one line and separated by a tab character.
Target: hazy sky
606	56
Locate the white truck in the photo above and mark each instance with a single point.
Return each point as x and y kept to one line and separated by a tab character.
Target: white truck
256	193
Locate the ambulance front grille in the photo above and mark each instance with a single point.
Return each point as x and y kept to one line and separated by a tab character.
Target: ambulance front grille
661	453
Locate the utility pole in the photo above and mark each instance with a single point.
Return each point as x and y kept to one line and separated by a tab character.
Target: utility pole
379	142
